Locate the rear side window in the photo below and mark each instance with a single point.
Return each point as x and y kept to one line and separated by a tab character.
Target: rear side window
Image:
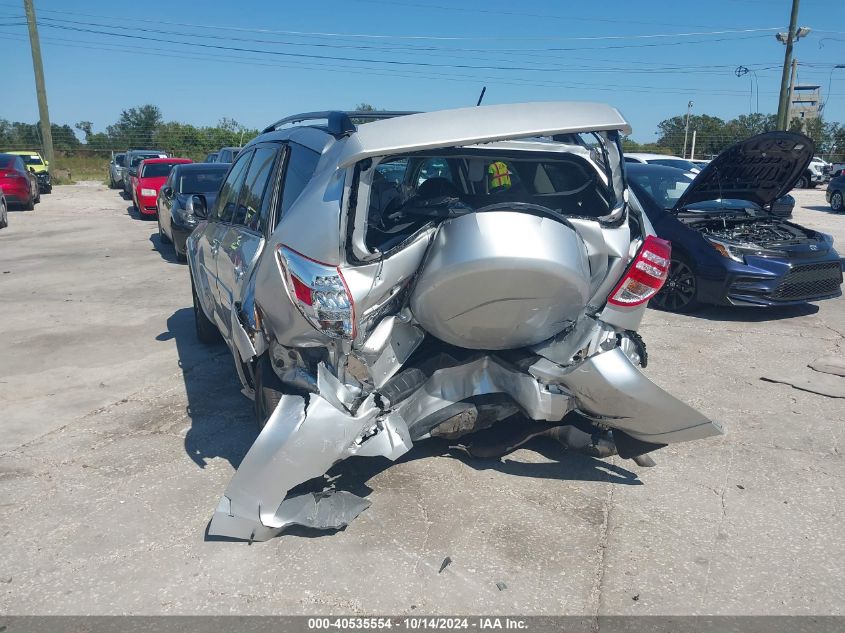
228	199
256	193
301	165
157	170
119	160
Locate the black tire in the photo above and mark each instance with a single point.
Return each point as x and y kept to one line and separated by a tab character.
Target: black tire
836	203
803	182
206	330
679	292
161	236
29	205
37	197
268	390
4	215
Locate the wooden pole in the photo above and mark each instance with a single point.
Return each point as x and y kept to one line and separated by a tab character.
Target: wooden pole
41	91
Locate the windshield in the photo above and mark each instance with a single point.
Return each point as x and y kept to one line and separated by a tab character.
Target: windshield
31	159
157	170
201	181
679	163
664	189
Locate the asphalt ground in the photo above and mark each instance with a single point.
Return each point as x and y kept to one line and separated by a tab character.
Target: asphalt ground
120	432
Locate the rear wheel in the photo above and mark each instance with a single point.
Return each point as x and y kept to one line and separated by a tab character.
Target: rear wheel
836	201
268	390
803	182
206	330
4	215
678	294
29	205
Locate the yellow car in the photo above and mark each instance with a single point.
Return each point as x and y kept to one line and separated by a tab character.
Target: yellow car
39	166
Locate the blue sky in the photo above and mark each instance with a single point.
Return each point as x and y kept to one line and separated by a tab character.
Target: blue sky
647	58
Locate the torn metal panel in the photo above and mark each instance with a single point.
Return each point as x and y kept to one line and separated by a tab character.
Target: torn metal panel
299	443
482	376
388	347
610	390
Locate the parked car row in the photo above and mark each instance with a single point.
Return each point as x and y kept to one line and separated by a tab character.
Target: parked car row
161	187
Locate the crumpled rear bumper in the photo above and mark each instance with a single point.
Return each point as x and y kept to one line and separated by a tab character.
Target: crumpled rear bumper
301	441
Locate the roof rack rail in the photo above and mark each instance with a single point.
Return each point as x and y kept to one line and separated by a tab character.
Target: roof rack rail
339	122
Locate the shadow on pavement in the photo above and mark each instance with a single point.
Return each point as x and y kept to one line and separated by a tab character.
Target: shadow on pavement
753	315
167	252
825	209
222	423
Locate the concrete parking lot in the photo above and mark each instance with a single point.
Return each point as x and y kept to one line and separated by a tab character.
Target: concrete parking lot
120	432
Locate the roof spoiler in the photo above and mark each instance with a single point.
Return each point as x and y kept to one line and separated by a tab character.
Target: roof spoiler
339	122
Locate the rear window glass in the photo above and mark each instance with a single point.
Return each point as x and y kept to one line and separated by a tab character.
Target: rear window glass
201	181
157	170
7	162
573	175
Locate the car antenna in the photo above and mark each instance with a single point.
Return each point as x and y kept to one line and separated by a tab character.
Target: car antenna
481	96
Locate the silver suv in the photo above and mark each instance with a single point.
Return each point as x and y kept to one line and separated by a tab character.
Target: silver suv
424	275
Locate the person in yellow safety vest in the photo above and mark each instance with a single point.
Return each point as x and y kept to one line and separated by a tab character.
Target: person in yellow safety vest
498	177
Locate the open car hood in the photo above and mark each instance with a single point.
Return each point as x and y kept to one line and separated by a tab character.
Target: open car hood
760	169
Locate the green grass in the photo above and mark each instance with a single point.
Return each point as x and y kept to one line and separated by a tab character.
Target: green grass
67	170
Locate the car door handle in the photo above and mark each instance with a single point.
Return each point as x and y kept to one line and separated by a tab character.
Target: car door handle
215	246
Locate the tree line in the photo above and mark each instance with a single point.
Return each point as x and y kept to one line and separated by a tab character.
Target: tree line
144	126
713	134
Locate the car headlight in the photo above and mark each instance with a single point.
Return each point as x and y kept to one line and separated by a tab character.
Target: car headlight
731	251
148	192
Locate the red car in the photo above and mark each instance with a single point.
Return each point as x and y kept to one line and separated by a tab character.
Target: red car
152	173
19	185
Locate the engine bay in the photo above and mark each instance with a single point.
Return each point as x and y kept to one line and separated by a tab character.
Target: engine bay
761	232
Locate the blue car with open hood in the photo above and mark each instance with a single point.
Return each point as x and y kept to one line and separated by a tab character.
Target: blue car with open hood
728	246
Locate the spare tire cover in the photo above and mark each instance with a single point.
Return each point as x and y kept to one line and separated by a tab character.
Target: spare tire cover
501	280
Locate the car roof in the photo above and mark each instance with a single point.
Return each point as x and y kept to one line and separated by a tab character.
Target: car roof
480	124
202	166
151	161
23	152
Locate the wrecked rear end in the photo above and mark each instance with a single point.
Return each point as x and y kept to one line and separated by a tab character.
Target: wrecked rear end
492	284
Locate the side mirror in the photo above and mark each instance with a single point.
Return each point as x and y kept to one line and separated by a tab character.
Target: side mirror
32	169
200	205
167	191
133	171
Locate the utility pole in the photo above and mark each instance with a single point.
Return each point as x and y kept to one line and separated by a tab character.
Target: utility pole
686	129
783	106
41	91
791	94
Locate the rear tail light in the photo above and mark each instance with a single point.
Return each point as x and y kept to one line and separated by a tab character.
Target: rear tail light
646	275
319	292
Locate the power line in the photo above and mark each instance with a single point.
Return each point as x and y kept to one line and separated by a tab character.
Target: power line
416	37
